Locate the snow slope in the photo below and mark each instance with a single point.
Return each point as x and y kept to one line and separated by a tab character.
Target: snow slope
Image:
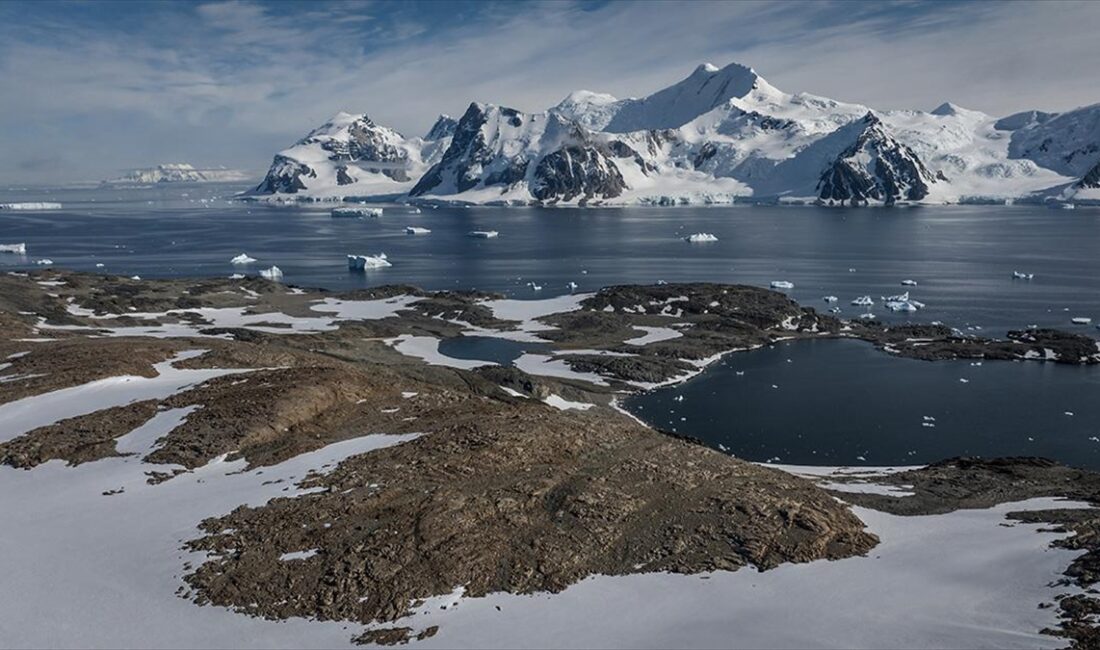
719	135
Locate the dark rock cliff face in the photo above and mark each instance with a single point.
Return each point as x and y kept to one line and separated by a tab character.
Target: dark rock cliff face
468	149
875	167
444	127
1091	179
285	177
576	171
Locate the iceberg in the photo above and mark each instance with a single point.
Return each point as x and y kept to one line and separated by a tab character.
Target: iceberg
243	258
1017	275
274	273
782	284
1081	320
362	262
830	298
901	305
34	205
700	237
416	230
18	249
901	297
237	276
355	213
863	301
572	286
44	262
909	283
483	234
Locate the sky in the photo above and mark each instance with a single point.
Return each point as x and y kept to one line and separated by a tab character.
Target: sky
90	89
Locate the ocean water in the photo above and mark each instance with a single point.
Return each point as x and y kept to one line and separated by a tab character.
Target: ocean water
836	402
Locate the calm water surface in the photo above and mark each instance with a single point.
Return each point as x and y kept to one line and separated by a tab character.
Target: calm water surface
834	402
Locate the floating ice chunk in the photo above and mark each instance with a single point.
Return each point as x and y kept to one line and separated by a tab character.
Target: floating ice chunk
867	316
835	310
274	273
964	380
355	213
901	297
99	265
415	211
863	301
416	230
534	287
1017	275
1081	320
237	276
135	277
782	284
830	298
243	258
44	262
361	262
18	249
1069	413
483	234
901	305
572	286
700	237
31	205
851	270
909	283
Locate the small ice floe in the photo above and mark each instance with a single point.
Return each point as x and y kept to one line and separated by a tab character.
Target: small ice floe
863	301
135	278
678	398
1081	320
416	230
1017	275
700	237
1094	439
18	249
830	299
534	287
834	310
31	205
928	418
99	265
930	425
572	286
483	234
237	276
964	380
908	283
867	316
361	262
355	213
851	270
274	273
415	211
782	284
1069	413
740	373
243	258
44	262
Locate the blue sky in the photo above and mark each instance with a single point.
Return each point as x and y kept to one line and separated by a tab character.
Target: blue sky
90	88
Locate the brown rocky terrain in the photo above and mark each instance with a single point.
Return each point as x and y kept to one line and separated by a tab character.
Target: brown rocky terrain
497	492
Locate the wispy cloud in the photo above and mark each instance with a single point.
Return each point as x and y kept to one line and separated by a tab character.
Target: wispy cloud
90	87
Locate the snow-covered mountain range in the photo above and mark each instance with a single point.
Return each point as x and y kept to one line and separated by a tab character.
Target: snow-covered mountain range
720	135
179	173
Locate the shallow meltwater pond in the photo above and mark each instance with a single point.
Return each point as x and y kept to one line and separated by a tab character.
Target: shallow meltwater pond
489	349
845	403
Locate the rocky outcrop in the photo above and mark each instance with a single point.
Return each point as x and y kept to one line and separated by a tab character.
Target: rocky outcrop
285	177
576	171
876	167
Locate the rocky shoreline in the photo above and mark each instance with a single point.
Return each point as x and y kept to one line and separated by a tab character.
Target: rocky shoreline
515	481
